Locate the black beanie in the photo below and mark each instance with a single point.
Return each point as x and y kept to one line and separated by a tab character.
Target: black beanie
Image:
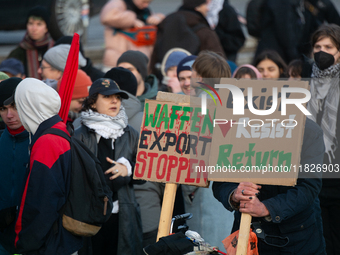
124	78
192	4
137	59
7	88
39	11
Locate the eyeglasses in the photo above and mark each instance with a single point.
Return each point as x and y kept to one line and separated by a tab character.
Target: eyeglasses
45	67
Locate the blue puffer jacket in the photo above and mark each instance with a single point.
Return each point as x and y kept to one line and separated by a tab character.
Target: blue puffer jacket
14	159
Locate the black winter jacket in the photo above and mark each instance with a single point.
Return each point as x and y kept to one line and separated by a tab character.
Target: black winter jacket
130	226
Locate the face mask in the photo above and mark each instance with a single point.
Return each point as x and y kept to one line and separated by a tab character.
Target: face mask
323	60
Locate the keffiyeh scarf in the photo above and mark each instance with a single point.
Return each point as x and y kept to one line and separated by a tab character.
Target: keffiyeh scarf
325	91
31	47
106	126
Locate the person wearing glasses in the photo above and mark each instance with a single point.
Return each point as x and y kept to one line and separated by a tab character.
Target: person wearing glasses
53	64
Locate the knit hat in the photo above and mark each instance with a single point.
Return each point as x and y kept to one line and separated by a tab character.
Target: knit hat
258	74
12	66
186	64
124	78
7	88
174	59
137	59
39	11
57	56
82	85
192	4
3	76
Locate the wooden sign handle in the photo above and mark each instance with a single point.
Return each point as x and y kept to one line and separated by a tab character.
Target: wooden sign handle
167	209
243	236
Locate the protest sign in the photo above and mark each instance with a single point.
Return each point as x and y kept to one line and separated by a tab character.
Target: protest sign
171	144
258	132
170	147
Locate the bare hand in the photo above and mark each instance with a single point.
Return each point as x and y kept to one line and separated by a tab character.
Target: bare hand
244	191
138	23
117	170
174	85
254	207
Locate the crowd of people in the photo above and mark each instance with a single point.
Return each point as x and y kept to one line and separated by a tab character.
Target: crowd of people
145	53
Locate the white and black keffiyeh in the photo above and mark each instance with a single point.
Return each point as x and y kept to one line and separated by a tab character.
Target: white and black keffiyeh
325	90
104	125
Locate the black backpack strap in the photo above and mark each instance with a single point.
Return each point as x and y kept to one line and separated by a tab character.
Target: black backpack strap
58	132
55	131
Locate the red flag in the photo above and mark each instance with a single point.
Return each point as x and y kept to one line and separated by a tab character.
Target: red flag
69	77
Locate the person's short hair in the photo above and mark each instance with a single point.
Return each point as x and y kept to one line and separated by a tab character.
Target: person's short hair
89	102
209	64
295	68
276	58
328	30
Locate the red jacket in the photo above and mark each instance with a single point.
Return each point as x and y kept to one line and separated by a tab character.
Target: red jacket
39	227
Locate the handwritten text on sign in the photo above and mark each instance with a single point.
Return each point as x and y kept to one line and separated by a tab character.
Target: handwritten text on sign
173	141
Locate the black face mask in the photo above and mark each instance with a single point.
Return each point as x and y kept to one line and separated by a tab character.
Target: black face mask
323	60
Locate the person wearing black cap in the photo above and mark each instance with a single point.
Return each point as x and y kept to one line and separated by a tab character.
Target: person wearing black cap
105	131
35	43
127	82
137	63
13	151
149	195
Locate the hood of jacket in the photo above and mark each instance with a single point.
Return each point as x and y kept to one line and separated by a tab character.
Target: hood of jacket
167	55
151	88
132	105
36	102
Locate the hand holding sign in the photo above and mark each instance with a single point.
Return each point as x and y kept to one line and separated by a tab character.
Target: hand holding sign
245	190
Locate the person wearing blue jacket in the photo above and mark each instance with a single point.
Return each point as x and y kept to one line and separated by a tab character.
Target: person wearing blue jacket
13	151
291	215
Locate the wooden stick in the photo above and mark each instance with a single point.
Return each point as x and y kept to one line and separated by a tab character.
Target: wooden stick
167	210
243	236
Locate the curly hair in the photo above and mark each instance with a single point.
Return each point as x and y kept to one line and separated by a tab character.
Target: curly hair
89	102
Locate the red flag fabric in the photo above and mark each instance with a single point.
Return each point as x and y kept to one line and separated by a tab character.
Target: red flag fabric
69	77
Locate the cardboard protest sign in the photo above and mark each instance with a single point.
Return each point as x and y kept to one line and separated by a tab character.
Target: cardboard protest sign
258	132
170	146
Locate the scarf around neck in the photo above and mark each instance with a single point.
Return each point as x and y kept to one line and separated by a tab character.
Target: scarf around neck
32	47
104	125
325	91
141	14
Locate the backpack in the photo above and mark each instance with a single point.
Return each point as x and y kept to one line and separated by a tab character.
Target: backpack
253	16
174	32
89	203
